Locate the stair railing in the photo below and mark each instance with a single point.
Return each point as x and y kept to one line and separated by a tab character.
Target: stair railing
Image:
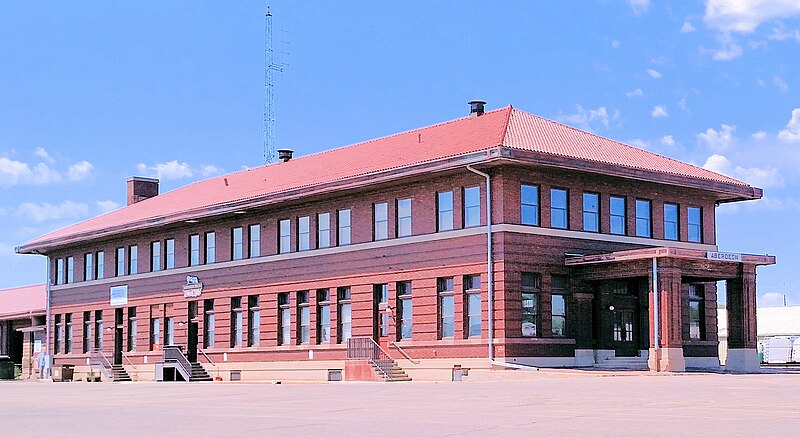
210	362
403	352
174	355
135	371
99	361
364	347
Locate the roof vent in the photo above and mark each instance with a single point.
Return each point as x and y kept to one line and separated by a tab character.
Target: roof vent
140	188
285	154
476	108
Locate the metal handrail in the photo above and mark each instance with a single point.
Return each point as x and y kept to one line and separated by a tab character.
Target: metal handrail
366	348
403	352
211	362
135	371
173	354
97	358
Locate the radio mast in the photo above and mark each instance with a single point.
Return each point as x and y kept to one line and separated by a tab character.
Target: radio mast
269	98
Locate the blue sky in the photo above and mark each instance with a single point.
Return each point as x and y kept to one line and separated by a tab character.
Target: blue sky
93	92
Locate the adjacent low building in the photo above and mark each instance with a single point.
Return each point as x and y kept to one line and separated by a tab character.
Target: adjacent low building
22	327
499	239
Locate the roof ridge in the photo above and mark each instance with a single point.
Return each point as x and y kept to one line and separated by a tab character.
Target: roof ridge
508	125
630	146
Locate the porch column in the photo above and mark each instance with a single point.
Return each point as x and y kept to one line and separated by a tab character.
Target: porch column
742	341
669	356
582	328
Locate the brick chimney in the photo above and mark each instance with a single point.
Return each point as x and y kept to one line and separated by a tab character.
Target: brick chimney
140	188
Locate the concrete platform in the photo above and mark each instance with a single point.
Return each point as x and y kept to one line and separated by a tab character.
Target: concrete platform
550	403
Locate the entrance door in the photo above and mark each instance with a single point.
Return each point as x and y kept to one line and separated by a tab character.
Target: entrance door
118	336
191	347
624	327
381	315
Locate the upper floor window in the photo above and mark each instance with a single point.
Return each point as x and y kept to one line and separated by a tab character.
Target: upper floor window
101	265
60	271
323	230
88	267
194	250
284	236
303	233
617	215
694	224
444	209
211	247
670	221
133	259
170	253
70	269
237	243
472	206
403	217
591	212
254	233
381	226
529	197
558	208
155	256
343	234
643	218
120	262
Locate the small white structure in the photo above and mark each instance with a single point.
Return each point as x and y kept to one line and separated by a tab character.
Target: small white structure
771	323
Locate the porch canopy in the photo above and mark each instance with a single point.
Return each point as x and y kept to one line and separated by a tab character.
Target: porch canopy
672	267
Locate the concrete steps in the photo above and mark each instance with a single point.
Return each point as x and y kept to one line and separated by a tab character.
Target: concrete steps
623	363
118	374
393	371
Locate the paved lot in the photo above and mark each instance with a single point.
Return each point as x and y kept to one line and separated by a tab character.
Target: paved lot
549	404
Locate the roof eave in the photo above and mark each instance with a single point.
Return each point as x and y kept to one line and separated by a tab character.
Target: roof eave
439	165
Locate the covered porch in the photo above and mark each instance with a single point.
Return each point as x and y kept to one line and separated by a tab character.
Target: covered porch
619	312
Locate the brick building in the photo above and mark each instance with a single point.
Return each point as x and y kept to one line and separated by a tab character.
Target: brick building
266	273
22	327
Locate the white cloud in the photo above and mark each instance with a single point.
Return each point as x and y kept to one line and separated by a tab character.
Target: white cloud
780	83
45	211
655	74
79	171
635	93
106	206
727	52
211	170
639	6
659	111
718	140
14	172
761	83
792	131
41	153
639	143
752	175
772	299
667	140
746	15
168	170
615	44
779	33
687	27
760	135
584	119
682	105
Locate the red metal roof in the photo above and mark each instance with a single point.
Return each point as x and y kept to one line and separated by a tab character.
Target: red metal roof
502	127
22	301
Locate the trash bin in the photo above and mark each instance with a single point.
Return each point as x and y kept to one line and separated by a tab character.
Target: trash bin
67	372
6	368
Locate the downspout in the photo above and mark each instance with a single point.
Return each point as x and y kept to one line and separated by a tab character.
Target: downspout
490	276
47	322
656	340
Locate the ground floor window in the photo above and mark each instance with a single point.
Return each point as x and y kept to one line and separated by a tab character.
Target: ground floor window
236	322
209	323
58	335
696	312
169	331
323	316
344	317
284	319
559	305
446	307
155	332
253	320
405	311
531	288
472	300
303	318
98	329
87	331
68	337
132	328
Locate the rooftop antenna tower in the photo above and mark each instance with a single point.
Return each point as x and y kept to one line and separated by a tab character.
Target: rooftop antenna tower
269	82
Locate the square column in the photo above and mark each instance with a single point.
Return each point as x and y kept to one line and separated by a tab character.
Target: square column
669	356
742	340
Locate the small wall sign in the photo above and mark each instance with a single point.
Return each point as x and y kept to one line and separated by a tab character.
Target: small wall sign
193	287
119	295
724	256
